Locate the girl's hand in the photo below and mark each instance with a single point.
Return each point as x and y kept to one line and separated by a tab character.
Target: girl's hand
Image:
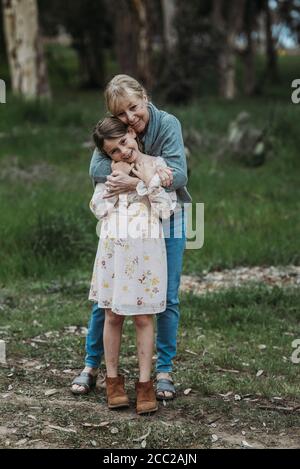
165	175
121	166
144	171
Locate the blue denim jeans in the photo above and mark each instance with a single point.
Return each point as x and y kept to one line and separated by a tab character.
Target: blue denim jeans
167	322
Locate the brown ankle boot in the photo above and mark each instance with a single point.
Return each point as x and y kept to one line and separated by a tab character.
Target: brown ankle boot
115	392
145	397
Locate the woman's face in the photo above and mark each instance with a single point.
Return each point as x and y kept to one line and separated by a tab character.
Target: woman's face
122	148
133	111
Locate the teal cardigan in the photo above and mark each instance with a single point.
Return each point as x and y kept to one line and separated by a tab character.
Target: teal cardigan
163	137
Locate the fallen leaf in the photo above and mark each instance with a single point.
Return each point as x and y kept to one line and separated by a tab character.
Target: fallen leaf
93	442
114	430
144	444
214	438
259	373
67	430
94	425
227	394
166	424
143	437
228	370
187	391
51	392
36	323
191	352
246	445
21	442
237	397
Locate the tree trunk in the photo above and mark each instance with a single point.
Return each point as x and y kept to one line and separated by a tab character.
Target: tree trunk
272	63
24	49
90	62
170	36
227	29
249	56
125	36
143	44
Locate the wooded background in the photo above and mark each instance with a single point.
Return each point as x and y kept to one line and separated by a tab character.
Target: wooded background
174	47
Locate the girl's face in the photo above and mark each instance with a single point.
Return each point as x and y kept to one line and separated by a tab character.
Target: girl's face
122	148
133	111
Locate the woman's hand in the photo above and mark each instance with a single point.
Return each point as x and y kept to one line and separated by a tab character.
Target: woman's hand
144	171
118	183
165	175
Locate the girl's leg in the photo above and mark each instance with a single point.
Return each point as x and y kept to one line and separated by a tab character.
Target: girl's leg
145	340
112	341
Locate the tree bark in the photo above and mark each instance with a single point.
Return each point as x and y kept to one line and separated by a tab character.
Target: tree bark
90	62
227	21
125	36
169	32
249	55
143	44
25	49
272	63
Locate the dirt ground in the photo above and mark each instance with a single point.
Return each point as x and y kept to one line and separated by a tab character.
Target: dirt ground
38	411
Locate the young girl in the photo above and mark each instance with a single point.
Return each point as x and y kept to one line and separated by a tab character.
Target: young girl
130	270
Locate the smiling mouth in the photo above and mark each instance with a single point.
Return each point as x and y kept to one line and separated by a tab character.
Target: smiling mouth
128	157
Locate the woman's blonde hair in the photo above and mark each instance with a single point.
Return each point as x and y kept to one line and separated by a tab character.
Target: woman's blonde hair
120	87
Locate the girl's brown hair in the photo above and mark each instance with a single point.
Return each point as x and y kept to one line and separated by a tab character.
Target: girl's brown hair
108	128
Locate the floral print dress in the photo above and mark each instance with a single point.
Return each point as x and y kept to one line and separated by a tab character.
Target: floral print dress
130	269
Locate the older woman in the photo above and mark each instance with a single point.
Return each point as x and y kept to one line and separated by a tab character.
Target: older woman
160	135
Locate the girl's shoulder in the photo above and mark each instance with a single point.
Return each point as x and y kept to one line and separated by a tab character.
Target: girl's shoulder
159	161
154	160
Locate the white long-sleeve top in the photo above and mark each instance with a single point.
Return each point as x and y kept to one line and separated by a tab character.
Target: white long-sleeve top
154	197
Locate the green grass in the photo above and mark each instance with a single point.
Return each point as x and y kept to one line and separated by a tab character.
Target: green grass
251	214
219	333
48	243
